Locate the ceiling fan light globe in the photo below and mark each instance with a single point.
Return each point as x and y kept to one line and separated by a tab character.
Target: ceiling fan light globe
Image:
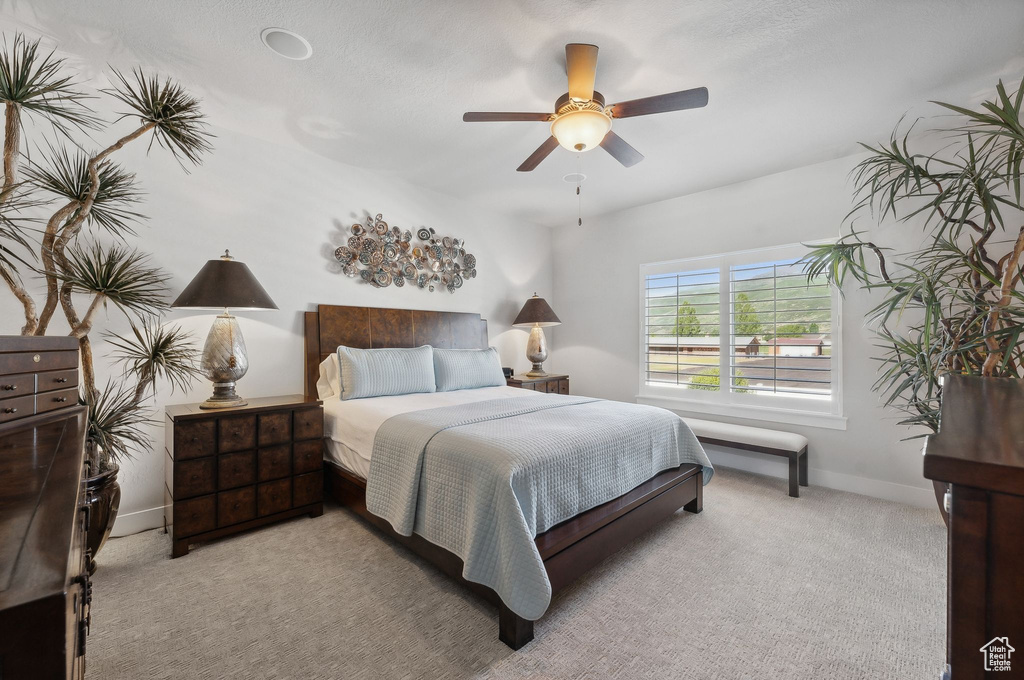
581	130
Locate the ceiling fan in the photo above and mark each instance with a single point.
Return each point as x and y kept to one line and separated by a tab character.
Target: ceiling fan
581	120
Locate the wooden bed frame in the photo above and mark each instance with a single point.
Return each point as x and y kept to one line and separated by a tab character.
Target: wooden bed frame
569	549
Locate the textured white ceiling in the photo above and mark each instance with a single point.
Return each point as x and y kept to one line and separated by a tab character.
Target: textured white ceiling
791	82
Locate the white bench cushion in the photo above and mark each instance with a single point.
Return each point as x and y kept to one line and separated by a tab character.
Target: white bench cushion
741	434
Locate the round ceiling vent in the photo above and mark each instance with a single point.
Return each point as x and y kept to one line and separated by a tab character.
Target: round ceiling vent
288	44
574	178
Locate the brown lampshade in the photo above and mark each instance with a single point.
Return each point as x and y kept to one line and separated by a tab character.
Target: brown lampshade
536	312
224	283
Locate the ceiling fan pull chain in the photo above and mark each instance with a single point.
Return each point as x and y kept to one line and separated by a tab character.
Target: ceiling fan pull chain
579	181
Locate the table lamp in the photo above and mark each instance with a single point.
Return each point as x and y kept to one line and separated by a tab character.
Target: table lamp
225	284
536	314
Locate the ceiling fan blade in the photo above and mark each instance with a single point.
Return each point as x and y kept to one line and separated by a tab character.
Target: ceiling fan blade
537	156
495	117
581	66
621	150
674	101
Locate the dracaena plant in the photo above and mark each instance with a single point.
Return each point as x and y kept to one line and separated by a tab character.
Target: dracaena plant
78	251
953	305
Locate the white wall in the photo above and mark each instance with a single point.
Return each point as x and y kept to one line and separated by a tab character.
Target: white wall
596	288
282	212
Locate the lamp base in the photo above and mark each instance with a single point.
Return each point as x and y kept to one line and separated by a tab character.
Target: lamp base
537	371
224	396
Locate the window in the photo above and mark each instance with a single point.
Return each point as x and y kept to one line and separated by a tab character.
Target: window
743	330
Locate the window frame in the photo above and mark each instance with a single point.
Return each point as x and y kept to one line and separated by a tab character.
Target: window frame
725	402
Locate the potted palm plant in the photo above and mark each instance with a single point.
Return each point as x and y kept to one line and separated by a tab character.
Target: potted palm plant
953	304
66	215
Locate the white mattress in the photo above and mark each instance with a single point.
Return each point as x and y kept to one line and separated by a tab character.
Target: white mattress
350	426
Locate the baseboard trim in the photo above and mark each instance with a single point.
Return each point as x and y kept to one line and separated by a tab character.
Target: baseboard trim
130	523
876	488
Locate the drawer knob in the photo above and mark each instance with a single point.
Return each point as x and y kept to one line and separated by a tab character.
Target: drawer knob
10	387
10	410
60	380
60	399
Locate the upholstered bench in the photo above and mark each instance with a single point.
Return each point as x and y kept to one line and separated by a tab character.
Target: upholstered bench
773	442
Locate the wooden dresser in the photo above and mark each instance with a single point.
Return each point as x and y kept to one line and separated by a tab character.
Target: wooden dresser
979	452
45	592
548	383
228	470
37	375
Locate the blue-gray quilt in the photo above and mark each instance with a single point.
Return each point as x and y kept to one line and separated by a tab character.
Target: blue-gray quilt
482	480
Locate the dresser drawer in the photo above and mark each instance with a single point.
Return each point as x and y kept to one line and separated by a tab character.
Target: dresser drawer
195	515
275	428
32	362
194	478
274	497
51	401
563	387
194	438
56	380
235	507
308	456
551	386
17	385
275	462
236	469
17	407
308	489
237	433
309	423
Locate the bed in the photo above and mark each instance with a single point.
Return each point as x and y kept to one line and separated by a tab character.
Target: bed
565	550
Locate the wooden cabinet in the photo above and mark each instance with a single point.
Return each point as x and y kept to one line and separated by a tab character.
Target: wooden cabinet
45	591
37	375
979	453
229	470
557	384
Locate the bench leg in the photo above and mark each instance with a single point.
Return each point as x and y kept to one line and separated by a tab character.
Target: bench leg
513	630
794	475
803	467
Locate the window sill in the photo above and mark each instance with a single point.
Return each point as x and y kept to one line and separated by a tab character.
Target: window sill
826	421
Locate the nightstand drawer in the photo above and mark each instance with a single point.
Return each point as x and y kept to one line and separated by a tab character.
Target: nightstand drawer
195	515
551	386
274	462
308	456
235	507
308	488
274	497
194	478
275	428
31	362
309	423
563	387
194	439
237	433
236	469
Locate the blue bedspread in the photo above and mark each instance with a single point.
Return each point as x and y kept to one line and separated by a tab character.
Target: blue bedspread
482	480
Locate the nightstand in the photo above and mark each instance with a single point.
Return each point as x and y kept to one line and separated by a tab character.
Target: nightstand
233	469
548	383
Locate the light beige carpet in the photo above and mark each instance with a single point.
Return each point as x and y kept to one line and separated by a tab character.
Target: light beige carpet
832	585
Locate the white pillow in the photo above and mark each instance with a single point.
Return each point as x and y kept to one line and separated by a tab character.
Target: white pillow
329	383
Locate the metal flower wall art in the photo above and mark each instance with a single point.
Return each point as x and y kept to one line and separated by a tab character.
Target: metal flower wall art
384	256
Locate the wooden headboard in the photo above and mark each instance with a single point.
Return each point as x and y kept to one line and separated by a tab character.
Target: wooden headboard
375	327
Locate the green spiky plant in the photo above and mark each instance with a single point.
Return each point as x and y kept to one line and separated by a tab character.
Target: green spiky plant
88	196
953	305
